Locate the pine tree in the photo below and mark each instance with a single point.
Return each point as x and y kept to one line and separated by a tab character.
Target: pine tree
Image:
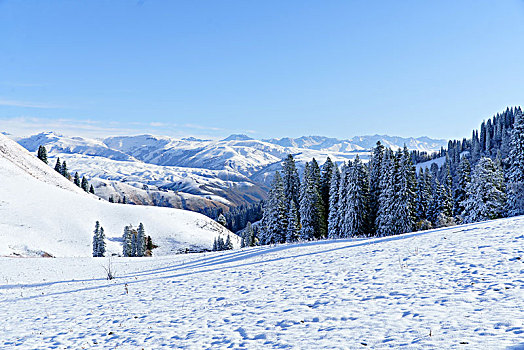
320	209
485	198
215	246
375	174
291	181
85	184
228	244
101	242
325	184
274	221
42	153
58	165
385	218
141	241
293	227
333	220
91	189
64	171
515	205
356	204
309	202
464	178
76	180
127	241
96	235
222	220
134	243
249	235
404	204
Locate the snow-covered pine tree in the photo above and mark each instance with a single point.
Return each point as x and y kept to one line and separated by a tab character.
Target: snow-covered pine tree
463	179
141	240
220	244
375	174
355	208
248	236
338	217
333	220
422	196
101	242
308	205
127	248
76	180
515	204
293	226
325	184
91	189
134	243
222	220
64	171
228	244
404	205
383	222
320	221
274	220
215	247
58	165
291	180
96	234
485	199
85	184
42	153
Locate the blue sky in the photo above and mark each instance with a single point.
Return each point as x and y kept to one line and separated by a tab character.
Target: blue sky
264	68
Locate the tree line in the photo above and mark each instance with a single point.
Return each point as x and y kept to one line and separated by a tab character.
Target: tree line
479	179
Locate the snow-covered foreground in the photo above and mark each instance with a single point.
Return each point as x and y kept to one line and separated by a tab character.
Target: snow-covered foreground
460	287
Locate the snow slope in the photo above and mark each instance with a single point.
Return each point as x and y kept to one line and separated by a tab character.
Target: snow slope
453	288
41	211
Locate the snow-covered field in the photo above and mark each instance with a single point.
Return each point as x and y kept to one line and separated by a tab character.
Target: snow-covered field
453	288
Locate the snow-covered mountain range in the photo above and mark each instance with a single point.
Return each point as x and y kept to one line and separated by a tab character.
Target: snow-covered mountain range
43	212
192	173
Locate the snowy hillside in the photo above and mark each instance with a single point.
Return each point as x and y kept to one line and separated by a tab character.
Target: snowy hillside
41	211
451	288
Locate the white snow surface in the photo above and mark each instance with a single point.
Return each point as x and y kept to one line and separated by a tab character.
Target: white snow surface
452	288
41	211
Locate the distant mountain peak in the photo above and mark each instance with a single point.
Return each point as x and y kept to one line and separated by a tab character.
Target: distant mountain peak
238	137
